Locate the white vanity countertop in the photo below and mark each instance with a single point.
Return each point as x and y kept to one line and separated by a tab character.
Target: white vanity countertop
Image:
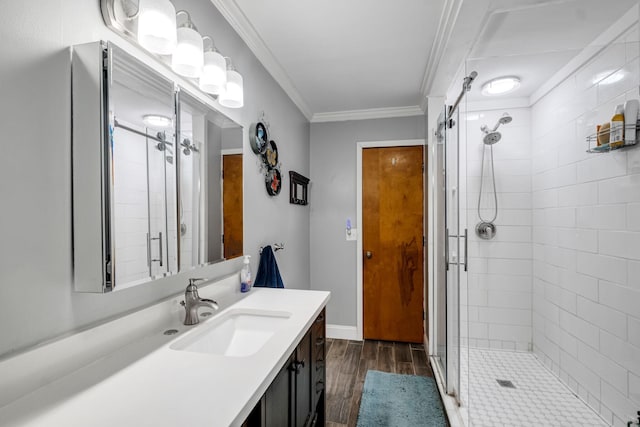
146	383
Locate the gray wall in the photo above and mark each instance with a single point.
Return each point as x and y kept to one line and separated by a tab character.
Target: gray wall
36	290
332	198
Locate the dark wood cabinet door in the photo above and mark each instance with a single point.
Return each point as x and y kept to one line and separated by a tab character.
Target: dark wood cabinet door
277	400
318	362
303	381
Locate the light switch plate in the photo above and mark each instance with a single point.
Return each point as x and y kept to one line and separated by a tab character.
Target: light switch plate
353	235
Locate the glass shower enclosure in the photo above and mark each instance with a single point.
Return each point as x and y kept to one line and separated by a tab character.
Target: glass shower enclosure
449	256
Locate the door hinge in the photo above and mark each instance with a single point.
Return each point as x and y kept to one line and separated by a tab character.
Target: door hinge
423	168
423	241
223	239
424	315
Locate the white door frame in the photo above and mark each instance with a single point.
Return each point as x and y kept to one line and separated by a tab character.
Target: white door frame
359	272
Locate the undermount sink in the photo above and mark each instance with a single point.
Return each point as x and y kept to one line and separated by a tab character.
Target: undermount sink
236	333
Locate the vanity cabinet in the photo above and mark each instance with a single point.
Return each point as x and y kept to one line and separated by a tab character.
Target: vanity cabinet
296	397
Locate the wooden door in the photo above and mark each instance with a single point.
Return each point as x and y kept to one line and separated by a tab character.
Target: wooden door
392	213
232	205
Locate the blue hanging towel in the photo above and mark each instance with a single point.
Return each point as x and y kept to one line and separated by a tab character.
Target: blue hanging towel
268	274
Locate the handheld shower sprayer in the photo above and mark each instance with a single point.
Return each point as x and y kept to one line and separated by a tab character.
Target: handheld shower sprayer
486	229
492	136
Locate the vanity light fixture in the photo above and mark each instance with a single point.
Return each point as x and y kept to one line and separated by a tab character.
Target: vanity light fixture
157	121
500	86
233	95
214	72
188	56
157	26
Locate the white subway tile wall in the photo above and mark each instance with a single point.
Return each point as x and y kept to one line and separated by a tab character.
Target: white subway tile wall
586	240
500	270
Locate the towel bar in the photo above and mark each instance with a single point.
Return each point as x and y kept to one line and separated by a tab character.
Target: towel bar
276	247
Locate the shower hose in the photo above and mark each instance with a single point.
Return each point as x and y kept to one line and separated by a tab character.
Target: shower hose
493	178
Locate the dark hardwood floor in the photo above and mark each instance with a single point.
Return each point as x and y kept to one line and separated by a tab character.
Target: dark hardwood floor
347	366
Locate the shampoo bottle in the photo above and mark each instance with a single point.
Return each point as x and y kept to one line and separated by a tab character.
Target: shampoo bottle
616	139
630	119
245	275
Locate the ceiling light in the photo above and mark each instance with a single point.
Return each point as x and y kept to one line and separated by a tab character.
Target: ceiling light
157	26
157	121
474	116
500	86
214	72
233	95
188	57
608	77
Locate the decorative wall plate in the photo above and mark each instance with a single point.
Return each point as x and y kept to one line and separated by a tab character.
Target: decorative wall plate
270	156
273	181
258	137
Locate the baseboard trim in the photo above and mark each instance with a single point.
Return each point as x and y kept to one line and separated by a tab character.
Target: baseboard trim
341	332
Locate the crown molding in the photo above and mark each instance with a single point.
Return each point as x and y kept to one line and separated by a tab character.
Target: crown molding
247	32
446	24
367	114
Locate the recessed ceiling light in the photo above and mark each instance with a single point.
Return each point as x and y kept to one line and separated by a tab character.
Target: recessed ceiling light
500	86
157	121
474	116
608	77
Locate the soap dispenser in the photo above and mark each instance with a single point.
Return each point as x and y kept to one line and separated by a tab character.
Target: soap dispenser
245	275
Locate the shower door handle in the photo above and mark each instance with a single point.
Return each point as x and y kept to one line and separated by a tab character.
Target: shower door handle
446	249
160	246
159	239
466	250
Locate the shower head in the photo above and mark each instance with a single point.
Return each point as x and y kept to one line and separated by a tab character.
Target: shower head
491	138
187	146
506	118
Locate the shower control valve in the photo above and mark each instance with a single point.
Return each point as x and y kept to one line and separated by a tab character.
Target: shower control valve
486	230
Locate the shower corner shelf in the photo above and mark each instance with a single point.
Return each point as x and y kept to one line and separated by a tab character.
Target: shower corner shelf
592	140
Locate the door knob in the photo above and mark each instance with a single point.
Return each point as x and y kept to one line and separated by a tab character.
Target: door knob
369	254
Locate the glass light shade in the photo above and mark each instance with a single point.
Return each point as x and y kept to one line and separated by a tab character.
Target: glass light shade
500	85
214	73
157	26
188	58
233	95
156	121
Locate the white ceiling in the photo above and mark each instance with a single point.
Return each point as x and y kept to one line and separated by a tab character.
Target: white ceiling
534	42
382	57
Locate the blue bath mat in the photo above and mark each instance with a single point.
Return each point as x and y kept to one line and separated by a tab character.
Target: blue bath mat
395	400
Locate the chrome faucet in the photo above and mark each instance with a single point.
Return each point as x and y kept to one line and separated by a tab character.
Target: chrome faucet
192	302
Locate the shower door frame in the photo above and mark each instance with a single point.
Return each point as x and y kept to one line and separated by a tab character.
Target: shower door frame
448	367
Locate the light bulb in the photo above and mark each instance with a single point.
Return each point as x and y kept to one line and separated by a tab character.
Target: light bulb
233	95
214	73
157	26
187	59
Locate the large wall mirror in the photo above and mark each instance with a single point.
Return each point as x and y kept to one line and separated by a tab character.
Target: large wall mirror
210	190
157	174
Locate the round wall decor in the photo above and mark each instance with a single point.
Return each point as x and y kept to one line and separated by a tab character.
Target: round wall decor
258	137
273	181
270	156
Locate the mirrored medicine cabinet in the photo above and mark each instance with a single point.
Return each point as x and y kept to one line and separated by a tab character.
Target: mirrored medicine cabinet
149	197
